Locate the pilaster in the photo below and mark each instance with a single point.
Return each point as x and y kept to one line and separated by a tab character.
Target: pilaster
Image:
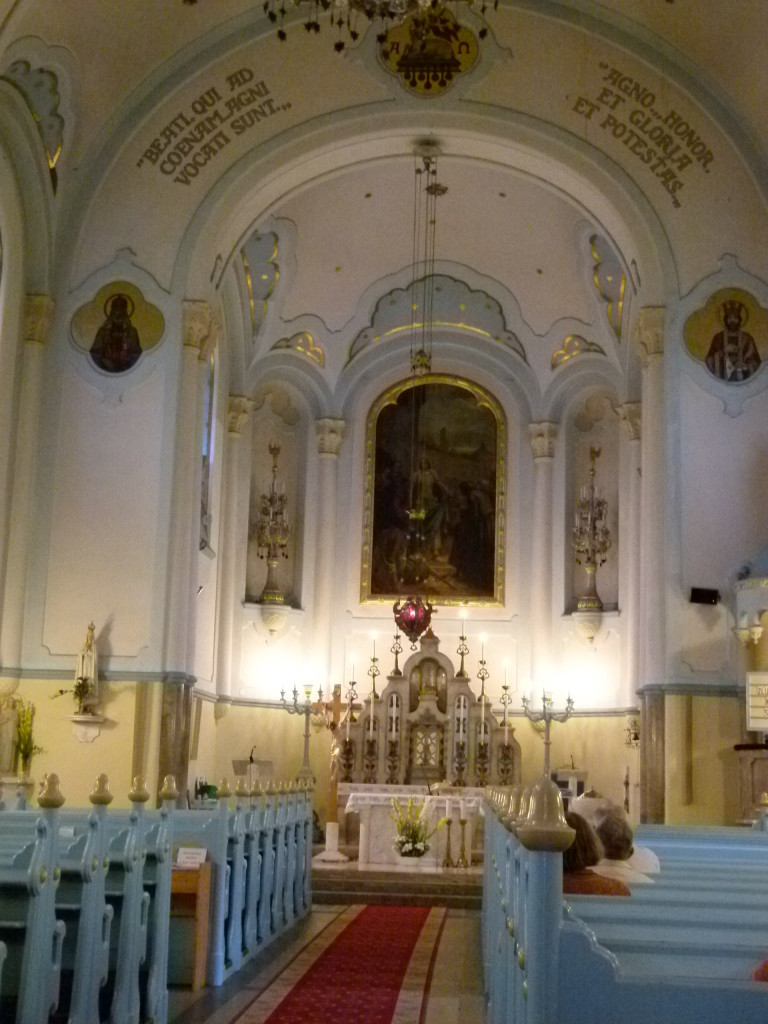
543	437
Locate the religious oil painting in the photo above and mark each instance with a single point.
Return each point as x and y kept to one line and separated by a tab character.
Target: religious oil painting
433	519
729	334
117	326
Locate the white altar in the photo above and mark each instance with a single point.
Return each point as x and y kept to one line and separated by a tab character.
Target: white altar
373	803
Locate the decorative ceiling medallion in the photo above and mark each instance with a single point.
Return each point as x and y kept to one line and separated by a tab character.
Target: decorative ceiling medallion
573	346
427	50
304	343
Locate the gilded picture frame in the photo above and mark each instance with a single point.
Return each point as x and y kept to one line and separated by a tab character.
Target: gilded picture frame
458	467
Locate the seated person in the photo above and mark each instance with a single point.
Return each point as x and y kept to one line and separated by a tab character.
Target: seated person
584	853
615	833
592	805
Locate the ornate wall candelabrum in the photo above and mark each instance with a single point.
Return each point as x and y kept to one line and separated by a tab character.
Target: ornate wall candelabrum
591	537
273	532
547	715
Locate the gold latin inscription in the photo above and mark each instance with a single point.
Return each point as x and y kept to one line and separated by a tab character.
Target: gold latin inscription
660	138
197	135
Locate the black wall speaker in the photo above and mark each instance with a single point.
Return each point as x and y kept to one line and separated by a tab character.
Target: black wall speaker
701	595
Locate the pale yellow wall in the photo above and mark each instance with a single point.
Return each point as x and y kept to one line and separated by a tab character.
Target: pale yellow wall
597	745
77	764
717	725
228	732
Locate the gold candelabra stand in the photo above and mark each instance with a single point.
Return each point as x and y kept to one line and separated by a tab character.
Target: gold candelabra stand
273	532
591	537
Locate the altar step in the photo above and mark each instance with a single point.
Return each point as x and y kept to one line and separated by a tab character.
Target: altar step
458	889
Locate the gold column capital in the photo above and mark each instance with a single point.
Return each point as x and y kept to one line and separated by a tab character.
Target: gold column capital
329	436
630	415
649	332
238	410
542	437
38	315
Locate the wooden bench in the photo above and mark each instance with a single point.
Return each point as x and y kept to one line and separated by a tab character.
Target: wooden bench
664	955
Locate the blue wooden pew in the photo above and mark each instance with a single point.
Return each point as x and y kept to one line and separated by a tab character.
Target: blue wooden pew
675	961
29	928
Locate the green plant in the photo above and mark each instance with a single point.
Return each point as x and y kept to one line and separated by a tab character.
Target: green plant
26	747
413	829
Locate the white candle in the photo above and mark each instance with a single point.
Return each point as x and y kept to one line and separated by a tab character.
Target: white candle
506	731
462	811
370	721
347	728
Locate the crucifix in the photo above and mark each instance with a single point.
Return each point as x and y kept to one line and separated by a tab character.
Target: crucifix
328	713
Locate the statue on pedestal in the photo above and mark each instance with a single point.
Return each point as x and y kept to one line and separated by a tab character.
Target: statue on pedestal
86	688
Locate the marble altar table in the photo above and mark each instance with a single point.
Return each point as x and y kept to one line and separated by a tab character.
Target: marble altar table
373	803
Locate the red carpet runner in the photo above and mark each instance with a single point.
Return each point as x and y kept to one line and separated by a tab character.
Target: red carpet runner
372	966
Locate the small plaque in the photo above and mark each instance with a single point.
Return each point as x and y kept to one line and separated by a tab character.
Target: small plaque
757	701
190	856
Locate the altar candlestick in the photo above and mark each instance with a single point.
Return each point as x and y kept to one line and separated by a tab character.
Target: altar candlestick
347	730
370	721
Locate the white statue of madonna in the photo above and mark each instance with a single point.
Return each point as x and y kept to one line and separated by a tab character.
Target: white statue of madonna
87	675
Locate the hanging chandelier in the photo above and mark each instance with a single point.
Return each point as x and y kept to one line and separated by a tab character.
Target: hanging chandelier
348	18
413	616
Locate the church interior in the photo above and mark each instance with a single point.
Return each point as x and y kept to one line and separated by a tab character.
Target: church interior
306	318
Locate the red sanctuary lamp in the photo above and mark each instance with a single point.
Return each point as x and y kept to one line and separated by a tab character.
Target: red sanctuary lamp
412	617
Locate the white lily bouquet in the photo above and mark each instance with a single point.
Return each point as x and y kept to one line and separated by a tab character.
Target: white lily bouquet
413	829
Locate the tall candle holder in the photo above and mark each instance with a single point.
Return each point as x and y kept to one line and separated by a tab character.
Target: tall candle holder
397	650
294	707
481	763
347	759
506	760
460	764
462	862
448	859
393	762
547	715
370	749
482	755
462	650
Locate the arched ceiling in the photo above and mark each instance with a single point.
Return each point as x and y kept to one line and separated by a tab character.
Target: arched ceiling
329	159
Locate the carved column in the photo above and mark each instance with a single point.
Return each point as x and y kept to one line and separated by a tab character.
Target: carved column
542	437
629	537
650	340
329	434
231	594
38	317
198	327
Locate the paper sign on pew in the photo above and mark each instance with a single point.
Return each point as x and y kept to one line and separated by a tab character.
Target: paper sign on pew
190	856
757	701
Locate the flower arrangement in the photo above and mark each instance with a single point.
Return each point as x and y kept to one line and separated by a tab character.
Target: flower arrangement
26	748
81	691
413	829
